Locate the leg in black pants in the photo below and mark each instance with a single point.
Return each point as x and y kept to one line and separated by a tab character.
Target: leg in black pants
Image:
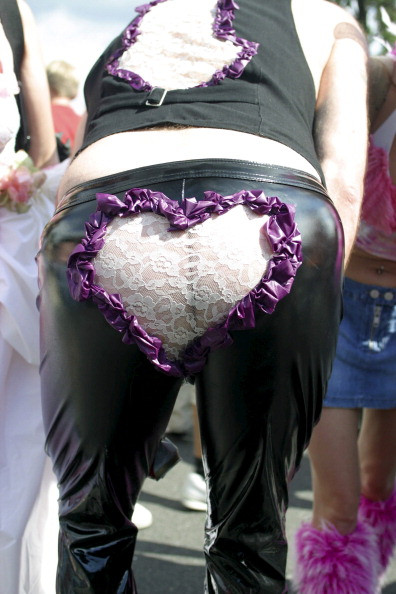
106	408
258	401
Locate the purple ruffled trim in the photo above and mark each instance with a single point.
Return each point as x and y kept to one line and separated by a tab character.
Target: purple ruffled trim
222	28
280	228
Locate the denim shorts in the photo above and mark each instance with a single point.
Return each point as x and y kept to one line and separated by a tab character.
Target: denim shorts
364	371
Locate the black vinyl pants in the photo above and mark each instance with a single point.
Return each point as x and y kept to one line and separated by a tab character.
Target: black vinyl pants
106	407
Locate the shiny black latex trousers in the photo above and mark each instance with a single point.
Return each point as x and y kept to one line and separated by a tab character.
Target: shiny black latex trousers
106	407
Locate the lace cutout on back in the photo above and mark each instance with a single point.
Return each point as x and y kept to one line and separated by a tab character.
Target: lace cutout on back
176	48
180	284
180	44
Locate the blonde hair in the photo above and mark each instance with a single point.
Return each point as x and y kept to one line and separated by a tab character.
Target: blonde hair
62	79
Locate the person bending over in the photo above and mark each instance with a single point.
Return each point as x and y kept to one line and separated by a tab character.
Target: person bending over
200	234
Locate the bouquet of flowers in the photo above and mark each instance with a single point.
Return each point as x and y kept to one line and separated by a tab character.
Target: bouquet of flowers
19	182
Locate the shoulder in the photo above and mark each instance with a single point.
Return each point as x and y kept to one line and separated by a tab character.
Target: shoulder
322	26
25	12
28	23
382	89
30	31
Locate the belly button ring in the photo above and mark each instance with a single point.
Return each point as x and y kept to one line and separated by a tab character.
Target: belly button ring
380	270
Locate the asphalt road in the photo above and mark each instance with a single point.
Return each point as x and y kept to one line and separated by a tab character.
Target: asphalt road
169	555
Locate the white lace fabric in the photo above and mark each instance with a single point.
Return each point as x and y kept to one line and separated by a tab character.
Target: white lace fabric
180	283
176	48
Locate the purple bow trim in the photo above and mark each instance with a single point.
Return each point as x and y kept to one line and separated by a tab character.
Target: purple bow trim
276	283
222	28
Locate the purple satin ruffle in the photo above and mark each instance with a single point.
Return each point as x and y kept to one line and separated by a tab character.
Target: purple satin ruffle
280	228
222	28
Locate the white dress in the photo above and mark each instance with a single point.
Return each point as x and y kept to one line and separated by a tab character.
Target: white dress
25	476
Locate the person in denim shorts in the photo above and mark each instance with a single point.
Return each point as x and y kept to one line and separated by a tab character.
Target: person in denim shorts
353	448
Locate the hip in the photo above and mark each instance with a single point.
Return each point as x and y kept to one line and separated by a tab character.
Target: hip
210	271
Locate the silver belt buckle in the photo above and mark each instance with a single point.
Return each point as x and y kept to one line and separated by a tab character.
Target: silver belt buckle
156	97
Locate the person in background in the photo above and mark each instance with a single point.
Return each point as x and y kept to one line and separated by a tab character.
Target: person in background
63	85
194	238
353	448
27	197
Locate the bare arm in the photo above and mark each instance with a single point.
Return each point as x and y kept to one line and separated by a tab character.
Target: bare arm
341	131
36	94
78	140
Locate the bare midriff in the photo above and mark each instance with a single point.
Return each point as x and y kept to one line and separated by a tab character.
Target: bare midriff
141	148
371	270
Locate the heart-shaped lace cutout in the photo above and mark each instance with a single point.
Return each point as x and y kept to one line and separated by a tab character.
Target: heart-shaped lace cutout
180	284
190	287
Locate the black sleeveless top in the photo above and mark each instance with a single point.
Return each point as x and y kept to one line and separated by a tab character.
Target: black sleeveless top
274	97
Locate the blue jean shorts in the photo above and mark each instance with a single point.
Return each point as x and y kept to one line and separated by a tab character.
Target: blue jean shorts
364	370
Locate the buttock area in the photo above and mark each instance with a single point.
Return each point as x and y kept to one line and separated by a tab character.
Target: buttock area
180	283
175	277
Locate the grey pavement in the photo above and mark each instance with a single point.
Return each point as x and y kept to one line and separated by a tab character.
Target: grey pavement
169	555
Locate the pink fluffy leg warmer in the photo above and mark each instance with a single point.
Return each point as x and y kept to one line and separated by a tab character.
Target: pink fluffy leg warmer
381	516
328	562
